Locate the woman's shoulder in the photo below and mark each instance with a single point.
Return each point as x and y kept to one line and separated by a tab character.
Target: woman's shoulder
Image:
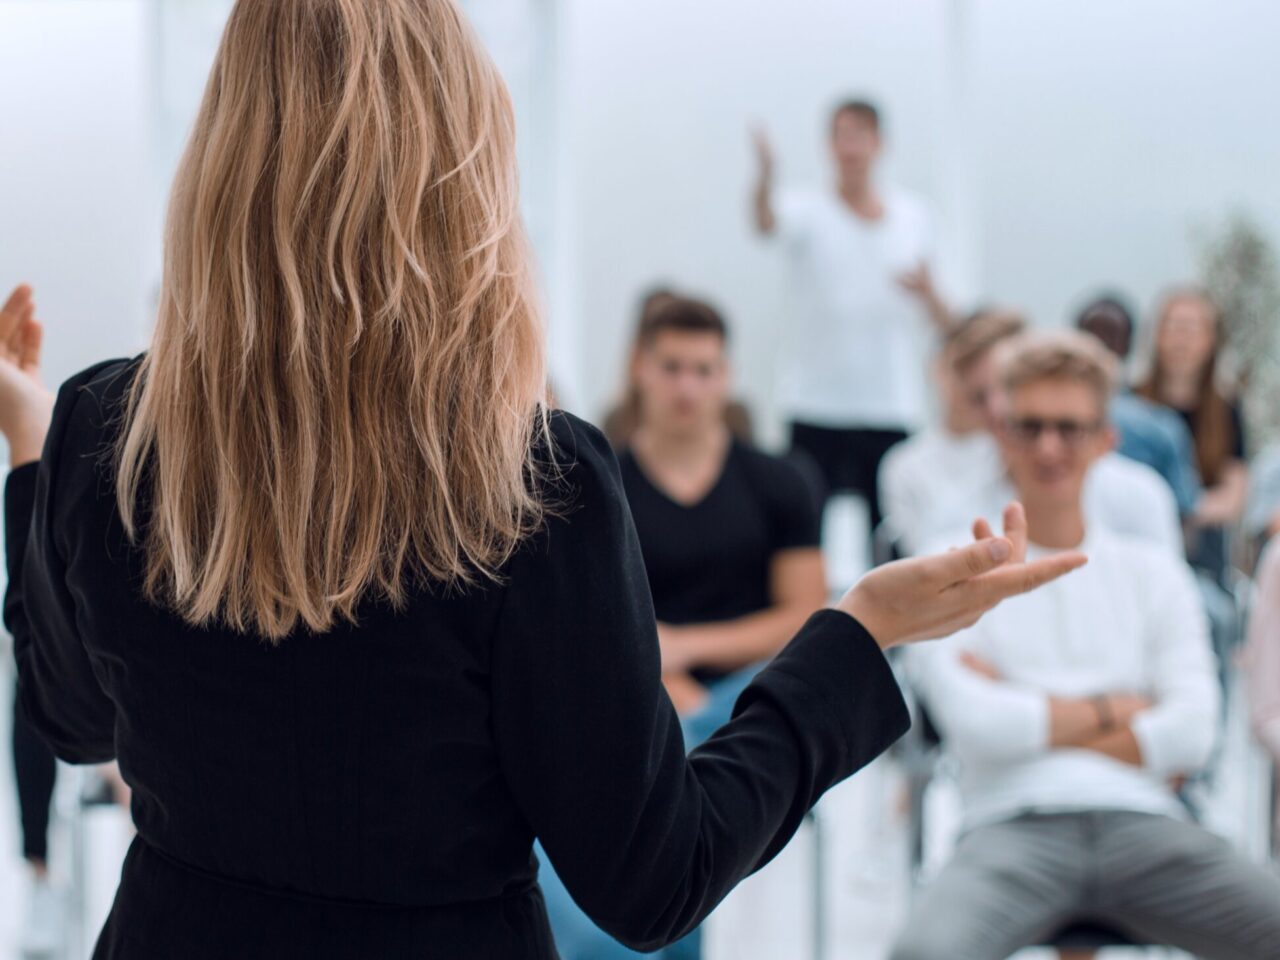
579	474
572	437
86	420
578	454
92	399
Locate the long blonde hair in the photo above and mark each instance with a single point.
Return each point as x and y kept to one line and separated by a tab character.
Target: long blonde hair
347	378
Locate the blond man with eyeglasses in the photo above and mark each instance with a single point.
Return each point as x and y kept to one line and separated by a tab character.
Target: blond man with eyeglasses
1073	712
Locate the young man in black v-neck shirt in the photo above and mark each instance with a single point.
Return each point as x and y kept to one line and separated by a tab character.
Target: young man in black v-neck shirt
729	534
730	542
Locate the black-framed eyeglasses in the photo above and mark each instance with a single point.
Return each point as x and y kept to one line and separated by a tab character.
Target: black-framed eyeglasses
1073	433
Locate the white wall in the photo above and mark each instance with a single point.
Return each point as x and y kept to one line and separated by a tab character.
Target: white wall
75	171
1111	131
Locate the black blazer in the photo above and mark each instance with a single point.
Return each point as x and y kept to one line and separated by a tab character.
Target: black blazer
373	793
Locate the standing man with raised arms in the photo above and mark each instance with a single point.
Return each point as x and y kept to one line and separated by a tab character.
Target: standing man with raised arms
864	310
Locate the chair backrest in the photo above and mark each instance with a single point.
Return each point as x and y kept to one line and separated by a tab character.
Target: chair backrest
1088	935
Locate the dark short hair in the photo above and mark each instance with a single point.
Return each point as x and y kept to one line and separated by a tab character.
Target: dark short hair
1110	301
859	107
653	299
683	314
1112	307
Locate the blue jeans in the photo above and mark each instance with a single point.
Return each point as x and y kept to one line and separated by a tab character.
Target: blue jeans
577	937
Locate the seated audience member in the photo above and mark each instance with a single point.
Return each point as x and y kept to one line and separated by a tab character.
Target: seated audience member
1262	654
1072	713
932	480
620	422
1262	510
1262	650
729	537
1146	431
944	476
1184	378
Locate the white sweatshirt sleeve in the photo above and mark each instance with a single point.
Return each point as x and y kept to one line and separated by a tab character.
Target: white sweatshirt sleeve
898	497
1176	736
1262	653
981	720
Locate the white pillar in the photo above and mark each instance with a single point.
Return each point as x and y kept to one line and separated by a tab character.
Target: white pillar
961	228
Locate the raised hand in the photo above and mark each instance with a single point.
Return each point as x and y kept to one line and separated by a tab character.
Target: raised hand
765	158
766	219
927	598
918	281
25	403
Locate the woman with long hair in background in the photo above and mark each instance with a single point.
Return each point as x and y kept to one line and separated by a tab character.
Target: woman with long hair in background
1184	376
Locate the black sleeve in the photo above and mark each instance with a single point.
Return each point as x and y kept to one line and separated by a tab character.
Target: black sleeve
57	688
796	512
648	840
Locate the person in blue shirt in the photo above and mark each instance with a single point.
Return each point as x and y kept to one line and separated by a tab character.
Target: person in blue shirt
1146	431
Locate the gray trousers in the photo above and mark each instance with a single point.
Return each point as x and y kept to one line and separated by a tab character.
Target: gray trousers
1159	880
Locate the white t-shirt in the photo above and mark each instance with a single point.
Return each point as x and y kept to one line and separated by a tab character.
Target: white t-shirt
935	484
1130	621
857	344
1131	498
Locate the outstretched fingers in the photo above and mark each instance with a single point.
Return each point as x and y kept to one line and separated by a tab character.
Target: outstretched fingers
17	310
29	348
1020	578
1014	520
966	563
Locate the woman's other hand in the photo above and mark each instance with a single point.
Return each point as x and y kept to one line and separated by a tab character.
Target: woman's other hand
25	403
930	597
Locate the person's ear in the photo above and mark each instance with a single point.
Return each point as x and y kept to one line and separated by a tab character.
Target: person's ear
1104	443
1110	439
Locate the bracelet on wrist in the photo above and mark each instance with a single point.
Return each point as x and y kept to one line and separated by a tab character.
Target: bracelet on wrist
1106	716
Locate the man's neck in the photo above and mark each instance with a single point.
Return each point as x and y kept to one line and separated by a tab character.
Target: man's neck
859	194
1054	526
680	449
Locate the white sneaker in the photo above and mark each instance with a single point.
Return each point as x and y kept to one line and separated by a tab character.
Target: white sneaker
42	931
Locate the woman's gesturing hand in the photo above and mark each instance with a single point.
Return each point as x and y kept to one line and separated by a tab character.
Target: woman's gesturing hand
25	404
931	597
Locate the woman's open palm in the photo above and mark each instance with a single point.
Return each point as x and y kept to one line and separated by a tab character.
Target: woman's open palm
25	403
927	598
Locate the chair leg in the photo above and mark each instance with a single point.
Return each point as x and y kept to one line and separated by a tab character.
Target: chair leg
818	880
